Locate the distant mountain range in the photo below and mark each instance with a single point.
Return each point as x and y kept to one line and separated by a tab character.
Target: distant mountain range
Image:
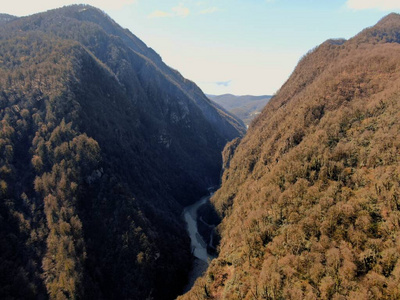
245	107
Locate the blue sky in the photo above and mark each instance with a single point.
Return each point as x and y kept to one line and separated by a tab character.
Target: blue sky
232	46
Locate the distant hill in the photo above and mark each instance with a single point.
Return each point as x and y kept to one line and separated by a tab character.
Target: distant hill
5	18
310	197
245	107
101	147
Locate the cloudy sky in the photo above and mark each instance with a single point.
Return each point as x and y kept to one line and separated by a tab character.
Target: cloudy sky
232	46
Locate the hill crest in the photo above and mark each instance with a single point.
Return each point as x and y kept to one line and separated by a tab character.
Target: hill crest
102	145
304	198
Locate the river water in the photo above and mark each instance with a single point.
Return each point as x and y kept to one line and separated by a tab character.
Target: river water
199	247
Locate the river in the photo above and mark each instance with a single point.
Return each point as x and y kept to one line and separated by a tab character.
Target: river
199	247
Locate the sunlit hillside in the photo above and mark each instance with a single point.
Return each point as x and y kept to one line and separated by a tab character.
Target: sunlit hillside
310	199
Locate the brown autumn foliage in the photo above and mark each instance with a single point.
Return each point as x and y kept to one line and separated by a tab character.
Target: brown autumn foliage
311	197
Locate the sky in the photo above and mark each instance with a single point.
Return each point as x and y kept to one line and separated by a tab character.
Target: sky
241	47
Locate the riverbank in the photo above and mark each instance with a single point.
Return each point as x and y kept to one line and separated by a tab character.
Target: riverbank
199	245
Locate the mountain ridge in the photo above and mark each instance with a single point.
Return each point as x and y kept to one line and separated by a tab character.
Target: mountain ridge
5	18
246	107
309	198
100	151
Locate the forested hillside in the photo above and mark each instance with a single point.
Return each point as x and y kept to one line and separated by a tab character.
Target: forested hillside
310	199
101	146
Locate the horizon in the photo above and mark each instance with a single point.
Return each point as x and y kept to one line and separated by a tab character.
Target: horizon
235	48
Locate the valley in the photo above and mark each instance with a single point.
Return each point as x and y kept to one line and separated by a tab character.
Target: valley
107	156
247	108
197	244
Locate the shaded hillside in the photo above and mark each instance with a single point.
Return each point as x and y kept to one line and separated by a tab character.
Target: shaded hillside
101	146
245	107
5	18
310	199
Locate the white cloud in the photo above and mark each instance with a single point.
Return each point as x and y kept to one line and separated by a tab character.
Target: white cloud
177	11
26	7
373	4
160	14
106	4
209	10
181	10
223	83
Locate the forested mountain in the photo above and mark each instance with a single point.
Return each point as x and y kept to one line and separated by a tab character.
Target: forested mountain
5	18
245	107
310	199
101	146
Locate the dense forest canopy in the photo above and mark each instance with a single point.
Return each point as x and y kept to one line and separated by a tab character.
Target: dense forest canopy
101	146
310	196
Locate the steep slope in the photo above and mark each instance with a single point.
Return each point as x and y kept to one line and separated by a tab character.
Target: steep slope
310	198
101	146
245	107
102	35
